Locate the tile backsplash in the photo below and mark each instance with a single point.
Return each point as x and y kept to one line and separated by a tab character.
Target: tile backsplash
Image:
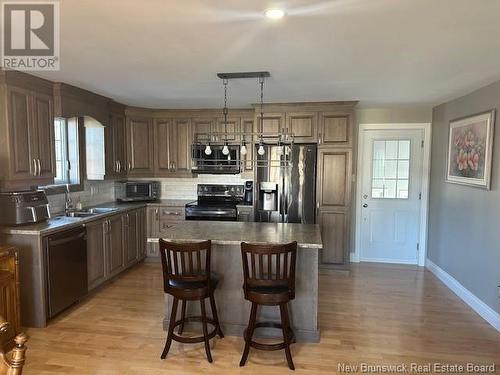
185	188
94	193
97	192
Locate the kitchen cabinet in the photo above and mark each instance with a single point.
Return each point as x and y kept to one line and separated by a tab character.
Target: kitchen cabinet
153	221
9	287
334	203
96	253
335	128
141	233
116	161
161	223
170	216
172	147
271	123
204	127
228	132
303	125
140	147
115	244
130	231
28	144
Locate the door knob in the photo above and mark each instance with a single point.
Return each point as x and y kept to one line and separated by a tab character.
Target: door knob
365	205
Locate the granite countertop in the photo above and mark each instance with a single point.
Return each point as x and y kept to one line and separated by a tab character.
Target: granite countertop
58	222
233	233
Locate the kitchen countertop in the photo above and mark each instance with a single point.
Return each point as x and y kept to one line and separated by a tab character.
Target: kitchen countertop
58	222
233	233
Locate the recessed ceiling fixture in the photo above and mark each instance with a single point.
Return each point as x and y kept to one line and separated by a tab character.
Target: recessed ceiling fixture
274	13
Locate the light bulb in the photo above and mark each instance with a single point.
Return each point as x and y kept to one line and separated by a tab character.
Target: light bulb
225	150
261	150
243	150
208	150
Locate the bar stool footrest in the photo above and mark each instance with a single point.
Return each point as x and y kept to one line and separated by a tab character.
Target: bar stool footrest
269	347
196	339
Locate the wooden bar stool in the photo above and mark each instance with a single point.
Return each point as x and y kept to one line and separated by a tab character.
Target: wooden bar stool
269	280
187	277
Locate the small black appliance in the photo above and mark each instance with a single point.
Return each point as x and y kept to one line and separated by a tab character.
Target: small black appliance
248	198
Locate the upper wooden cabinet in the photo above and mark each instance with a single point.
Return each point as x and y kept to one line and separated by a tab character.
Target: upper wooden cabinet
334	177
228	132
172	147
26	131
140	146
116	159
335	128
203	127
303	125
271	122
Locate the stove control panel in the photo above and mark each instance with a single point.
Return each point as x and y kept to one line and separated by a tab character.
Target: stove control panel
206	190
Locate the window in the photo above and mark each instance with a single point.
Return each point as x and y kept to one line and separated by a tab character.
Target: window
67	151
391	169
94	145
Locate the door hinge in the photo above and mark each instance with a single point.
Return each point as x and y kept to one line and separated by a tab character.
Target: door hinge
422	144
420	196
418	246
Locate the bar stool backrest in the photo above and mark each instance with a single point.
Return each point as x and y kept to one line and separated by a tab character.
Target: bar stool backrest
269	265
185	261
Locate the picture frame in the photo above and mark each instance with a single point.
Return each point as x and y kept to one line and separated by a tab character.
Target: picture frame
470	148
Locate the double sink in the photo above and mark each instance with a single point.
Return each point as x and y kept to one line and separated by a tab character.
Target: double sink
90	212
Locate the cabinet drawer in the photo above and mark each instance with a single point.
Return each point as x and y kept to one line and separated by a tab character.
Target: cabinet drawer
167	227
172	213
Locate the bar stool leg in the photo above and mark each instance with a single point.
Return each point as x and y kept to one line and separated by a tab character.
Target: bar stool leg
249	334
183	316
285	323
205	330
171	326
215	316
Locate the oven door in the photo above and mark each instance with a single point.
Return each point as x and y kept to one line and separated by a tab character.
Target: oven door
216	162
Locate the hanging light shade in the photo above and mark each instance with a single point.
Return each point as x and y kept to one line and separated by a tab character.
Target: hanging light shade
243	149
225	149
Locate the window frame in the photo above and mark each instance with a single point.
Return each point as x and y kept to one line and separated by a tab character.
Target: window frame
58	188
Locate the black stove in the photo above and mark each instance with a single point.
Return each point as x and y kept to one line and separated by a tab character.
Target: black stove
216	202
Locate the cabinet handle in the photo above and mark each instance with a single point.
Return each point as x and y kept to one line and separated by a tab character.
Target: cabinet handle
319	139
33	172
39	165
129	166
176	213
317	205
157	214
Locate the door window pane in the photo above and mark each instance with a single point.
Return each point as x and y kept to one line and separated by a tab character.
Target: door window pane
391	169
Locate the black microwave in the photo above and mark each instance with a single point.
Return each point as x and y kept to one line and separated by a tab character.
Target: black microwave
216	162
137	191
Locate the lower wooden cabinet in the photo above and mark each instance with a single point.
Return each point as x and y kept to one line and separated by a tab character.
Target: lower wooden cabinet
9	287
161	223
246	213
113	244
335	235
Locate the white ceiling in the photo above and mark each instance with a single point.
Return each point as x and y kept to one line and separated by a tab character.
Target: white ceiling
166	53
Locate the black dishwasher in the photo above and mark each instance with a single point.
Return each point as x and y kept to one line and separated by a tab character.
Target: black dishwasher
66	256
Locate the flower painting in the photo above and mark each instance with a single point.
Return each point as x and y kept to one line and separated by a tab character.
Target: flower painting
469	153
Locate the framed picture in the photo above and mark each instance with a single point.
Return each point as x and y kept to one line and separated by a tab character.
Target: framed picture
470	150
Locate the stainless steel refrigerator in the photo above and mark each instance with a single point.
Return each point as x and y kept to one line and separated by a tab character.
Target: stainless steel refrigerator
285	185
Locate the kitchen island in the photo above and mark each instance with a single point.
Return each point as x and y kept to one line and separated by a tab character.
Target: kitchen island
233	309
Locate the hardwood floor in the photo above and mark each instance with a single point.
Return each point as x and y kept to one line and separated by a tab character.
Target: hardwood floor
377	314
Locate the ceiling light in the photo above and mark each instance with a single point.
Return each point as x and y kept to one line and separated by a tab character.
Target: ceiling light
275	13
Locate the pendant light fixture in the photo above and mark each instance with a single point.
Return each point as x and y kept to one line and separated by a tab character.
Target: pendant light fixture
261	151
225	149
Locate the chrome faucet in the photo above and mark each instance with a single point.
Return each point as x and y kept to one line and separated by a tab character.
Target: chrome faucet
68	203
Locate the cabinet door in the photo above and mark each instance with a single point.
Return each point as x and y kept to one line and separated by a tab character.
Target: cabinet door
130	233
140	147
163	134
271	123
335	235
119	145
202	129
116	245
153	250
153	221
111	162
335	129
180	146
141	233
96	266
22	160
334	178
303	125
233	126
43	141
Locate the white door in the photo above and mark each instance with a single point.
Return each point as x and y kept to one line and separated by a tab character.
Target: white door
390	196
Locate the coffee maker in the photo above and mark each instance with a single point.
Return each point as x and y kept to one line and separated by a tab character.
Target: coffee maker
248	198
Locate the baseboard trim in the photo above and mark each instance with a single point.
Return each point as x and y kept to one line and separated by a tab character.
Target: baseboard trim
486	312
392	261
